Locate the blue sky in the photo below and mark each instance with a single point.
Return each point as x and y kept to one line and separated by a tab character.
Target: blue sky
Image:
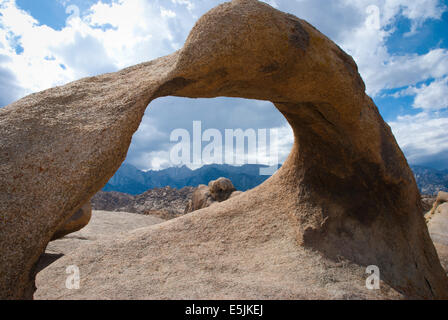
401	47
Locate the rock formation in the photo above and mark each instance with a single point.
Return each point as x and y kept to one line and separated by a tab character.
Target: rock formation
103	226
218	190
427	203
200	199
170	200
438	226
221	189
75	223
442	197
344	199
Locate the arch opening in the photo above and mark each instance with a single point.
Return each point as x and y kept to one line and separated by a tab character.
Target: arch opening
183	143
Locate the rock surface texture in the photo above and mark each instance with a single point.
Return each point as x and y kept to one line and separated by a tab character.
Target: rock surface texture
200	199
221	189
438	227
75	223
172	201
442	197
217	191
103	226
428	203
344	199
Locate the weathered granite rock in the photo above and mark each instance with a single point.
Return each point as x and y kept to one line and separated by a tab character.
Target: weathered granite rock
201	199
442	197
75	223
165	199
345	193
218	190
236	193
103	226
438	229
221	189
427	203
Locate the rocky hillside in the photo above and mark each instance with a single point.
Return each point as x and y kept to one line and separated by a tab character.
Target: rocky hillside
165	202
430	181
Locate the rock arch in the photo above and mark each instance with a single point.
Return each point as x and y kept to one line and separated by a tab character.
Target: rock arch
345	190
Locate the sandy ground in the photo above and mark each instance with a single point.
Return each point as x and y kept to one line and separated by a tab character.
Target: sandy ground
102	226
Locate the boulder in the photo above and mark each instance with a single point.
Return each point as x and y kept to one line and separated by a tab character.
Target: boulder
200	199
75	223
217	191
344	199
221	189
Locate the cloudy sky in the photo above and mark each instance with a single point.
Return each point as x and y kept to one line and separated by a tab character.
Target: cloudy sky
401	47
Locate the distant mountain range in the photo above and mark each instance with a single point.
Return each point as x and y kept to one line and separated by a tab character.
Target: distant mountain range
429	180
129	179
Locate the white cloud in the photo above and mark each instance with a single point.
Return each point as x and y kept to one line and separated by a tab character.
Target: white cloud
433	96
190	5
423	138
159	27
367	43
102	40
428	97
109	37
363	27
167	114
